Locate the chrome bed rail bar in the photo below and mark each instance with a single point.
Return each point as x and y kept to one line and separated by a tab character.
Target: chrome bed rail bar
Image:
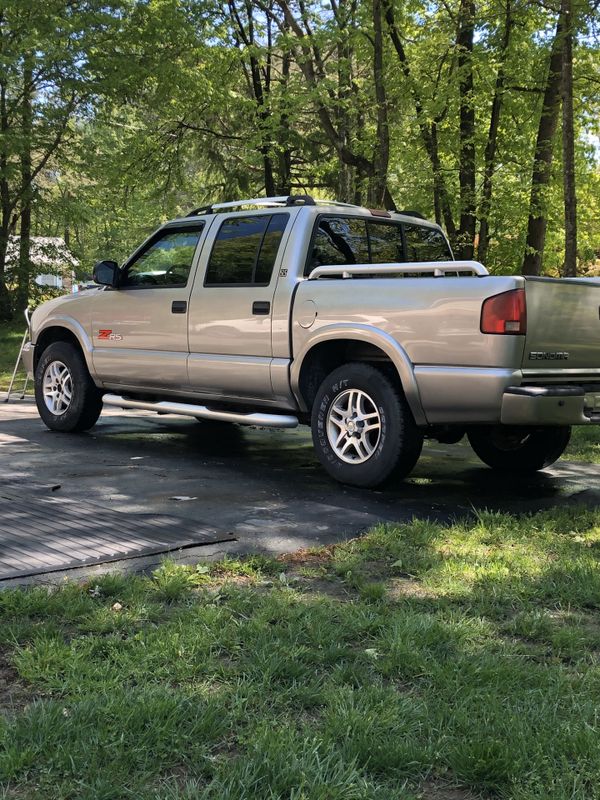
439	269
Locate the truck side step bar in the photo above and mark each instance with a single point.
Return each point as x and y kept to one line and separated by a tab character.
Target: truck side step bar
265	420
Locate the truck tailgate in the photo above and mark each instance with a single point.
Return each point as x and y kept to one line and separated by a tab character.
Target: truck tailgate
563	324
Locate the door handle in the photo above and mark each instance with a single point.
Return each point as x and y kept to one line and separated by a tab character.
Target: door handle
179	306
261	307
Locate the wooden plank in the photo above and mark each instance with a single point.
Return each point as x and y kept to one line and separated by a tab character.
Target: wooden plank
45	533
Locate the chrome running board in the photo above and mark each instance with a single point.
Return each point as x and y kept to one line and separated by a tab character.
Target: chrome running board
202	412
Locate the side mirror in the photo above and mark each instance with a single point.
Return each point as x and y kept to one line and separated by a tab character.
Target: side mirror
106	273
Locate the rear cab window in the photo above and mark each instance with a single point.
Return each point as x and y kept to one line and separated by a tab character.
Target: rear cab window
425	244
340	240
245	250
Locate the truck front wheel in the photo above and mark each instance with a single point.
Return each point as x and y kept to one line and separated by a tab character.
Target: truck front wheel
519	449
67	398
362	428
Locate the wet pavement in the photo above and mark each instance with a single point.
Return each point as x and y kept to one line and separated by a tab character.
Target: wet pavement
264	487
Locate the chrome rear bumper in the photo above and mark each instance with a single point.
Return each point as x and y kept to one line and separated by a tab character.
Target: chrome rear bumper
550	405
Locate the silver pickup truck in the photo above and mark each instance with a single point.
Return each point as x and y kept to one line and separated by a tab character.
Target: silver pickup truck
357	322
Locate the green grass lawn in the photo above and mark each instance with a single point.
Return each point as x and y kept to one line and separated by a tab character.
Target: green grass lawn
584	444
418	661
11	335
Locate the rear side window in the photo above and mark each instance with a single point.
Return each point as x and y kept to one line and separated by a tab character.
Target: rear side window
385	242
270	248
245	250
425	244
340	240
359	240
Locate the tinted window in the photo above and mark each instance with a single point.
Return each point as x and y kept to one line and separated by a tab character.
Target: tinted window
166	261
425	244
385	241
270	247
245	249
339	240
352	240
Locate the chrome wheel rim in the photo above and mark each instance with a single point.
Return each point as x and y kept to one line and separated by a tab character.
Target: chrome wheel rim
353	426
57	387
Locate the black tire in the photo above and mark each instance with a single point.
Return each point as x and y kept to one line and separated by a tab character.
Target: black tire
395	444
85	405
519	449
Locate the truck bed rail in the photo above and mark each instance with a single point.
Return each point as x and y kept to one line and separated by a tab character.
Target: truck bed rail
434	269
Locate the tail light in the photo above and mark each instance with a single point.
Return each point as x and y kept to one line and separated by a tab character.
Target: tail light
505	313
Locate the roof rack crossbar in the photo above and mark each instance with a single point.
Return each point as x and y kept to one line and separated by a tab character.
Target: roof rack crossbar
267	202
288	200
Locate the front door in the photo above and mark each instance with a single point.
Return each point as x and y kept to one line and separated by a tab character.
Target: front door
140	330
231	307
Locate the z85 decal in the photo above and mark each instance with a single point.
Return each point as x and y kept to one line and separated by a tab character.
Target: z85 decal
106	333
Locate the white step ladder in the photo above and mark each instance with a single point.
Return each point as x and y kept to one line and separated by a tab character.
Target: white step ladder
16	369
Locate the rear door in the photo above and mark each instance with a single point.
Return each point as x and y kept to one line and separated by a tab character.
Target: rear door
231	306
140	330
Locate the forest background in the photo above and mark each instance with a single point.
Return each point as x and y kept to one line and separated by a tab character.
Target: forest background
116	115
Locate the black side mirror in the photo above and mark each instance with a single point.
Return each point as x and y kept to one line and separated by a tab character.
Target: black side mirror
106	273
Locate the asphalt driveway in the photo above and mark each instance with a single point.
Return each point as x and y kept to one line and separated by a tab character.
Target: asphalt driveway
264	488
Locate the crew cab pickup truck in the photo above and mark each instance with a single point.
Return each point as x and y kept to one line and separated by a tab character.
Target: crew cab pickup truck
357	322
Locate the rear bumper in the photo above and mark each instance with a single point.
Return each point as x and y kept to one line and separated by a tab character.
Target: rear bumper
550	405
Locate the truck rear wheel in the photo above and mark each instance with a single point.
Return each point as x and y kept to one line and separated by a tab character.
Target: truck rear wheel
362	427
67	398
519	449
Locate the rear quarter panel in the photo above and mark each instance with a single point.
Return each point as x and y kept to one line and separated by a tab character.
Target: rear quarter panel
435	320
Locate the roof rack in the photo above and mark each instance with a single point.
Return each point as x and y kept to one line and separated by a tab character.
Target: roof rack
267	202
287	201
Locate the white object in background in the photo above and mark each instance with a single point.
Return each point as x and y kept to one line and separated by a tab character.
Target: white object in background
55	281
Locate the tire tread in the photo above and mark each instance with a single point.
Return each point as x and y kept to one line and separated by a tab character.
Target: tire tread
86	406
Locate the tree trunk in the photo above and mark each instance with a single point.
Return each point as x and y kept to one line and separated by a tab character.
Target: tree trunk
263	115
284	180
345	180
466	169
245	34
24	271
5	208
443	209
542	159
568	145
310	64
379	195
492	141
428	135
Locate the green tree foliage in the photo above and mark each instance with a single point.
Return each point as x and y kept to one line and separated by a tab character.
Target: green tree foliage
51	60
117	115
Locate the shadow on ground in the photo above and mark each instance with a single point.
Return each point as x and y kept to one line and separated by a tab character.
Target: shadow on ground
263	486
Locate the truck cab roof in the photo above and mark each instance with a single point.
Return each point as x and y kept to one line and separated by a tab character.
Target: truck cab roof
312	205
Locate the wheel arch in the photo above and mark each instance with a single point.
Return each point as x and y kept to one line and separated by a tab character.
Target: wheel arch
62	330
335	345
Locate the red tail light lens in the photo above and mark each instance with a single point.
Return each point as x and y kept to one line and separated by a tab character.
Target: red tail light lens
505	313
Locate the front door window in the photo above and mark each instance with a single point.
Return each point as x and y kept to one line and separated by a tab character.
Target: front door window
166	261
